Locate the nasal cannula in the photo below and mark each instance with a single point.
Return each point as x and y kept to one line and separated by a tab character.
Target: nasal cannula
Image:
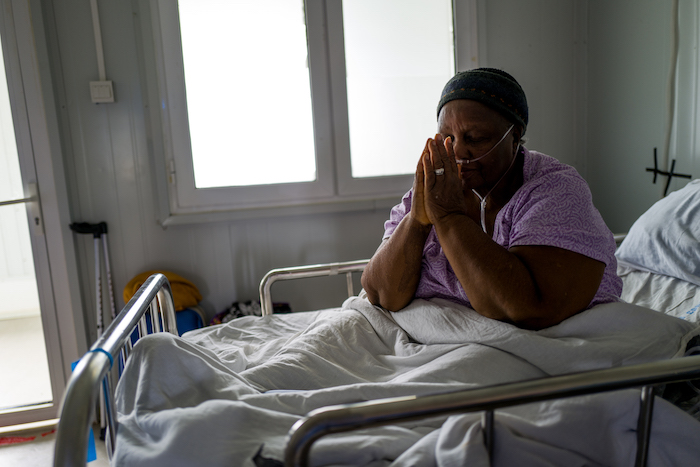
467	161
482	200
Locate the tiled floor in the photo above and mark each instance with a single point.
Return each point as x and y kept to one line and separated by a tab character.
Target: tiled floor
39	453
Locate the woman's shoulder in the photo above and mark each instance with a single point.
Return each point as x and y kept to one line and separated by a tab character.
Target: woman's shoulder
552	191
546	174
538	165
554	207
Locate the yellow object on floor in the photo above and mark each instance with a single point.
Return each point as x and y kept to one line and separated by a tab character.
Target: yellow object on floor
185	293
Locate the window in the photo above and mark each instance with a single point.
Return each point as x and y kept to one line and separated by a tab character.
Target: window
250	102
274	103
398	56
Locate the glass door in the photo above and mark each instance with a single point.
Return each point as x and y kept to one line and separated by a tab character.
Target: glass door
32	347
25	380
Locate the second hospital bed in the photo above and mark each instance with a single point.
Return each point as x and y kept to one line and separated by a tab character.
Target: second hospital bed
426	386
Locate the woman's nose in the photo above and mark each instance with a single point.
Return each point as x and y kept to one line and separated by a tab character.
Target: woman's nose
460	150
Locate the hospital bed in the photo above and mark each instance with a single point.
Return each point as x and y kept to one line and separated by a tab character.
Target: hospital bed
659	264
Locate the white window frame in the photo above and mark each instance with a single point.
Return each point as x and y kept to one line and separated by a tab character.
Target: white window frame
334	189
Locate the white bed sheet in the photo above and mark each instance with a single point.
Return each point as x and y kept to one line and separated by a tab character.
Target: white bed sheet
228	395
666	294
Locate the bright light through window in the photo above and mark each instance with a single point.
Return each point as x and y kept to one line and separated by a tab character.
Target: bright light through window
399	54
248	92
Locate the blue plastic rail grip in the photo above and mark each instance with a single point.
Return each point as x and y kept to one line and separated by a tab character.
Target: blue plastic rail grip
109	355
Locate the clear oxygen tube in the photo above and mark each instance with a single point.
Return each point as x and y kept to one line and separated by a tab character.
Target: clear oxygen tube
467	161
482	200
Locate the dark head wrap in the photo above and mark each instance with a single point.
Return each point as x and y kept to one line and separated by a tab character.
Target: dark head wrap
493	88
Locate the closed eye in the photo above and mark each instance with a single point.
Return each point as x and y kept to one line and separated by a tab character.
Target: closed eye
475	139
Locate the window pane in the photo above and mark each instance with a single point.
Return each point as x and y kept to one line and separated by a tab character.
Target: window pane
399	54
248	91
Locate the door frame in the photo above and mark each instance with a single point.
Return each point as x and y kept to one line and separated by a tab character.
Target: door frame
41	164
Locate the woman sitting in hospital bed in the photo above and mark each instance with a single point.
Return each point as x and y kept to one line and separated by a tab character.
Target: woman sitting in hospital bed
534	252
510	232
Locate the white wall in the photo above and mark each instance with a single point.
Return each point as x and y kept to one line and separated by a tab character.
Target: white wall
543	43
629	47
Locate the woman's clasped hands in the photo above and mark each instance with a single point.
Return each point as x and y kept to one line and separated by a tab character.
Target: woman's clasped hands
437	187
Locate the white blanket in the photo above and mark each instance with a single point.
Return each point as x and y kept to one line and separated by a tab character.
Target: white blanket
228	395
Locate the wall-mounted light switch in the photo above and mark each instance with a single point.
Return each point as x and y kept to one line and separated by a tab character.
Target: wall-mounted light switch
101	92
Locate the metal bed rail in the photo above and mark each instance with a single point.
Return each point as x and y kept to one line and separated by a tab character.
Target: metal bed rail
347	417
94	370
304	272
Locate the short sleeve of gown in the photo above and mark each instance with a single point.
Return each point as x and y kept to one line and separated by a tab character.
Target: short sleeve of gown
398	212
557	210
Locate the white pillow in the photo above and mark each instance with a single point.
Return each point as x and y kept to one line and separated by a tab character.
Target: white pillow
666	238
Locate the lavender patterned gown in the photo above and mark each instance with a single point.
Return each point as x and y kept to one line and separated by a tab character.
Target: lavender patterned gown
553	207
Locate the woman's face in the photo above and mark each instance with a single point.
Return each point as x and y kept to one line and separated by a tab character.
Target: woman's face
475	129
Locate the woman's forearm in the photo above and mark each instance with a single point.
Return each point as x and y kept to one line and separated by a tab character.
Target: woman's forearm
530	286
491	276
392	275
